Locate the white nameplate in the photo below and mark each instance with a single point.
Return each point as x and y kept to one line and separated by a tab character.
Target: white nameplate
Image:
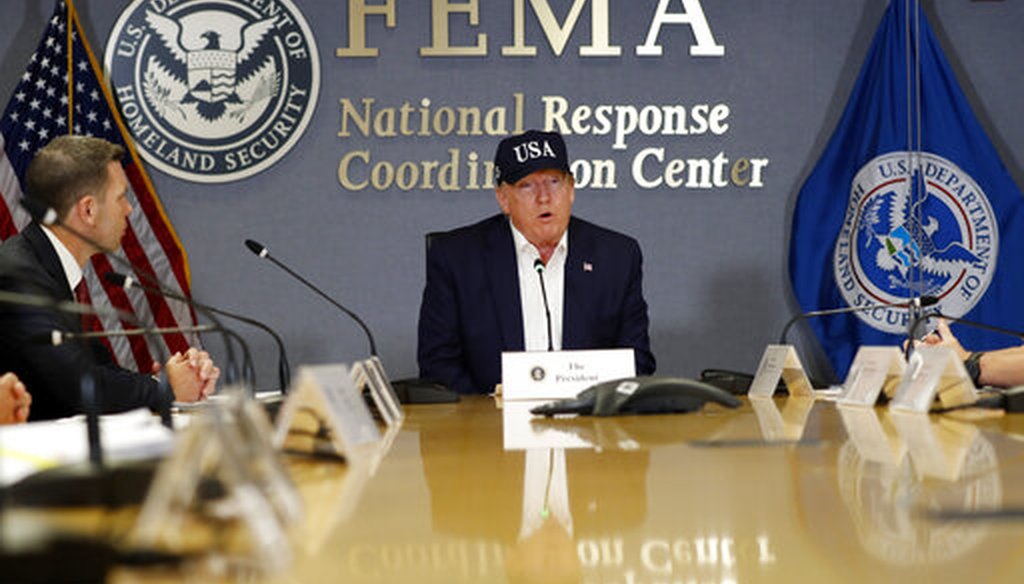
873	369
561	374
780	361
339	413
931	372
369	374
214	446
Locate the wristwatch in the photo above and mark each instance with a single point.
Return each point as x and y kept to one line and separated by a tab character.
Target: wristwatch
973	366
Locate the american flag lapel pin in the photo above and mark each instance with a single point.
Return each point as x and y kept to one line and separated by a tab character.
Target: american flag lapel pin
588	267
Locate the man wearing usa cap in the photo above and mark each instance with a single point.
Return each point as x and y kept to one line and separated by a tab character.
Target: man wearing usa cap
483	295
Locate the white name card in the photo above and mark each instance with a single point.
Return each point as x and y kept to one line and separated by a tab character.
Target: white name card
327	393
931	372
873	369
780	361
561	374
369	374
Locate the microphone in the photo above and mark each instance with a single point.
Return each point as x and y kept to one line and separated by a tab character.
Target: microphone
36	301
920	302
538	266
283	368
57	337
973	324
231	367
261	251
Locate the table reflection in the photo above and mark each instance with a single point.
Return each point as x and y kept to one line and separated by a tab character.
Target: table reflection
895	467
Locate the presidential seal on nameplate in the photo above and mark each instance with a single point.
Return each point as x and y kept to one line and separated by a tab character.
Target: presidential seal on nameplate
933	372
780	361
561	374
874	369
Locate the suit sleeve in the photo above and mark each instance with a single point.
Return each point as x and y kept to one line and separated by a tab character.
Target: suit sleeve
53	374
633	330
440	352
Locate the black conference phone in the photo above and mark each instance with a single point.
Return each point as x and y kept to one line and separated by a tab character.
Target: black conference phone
640	395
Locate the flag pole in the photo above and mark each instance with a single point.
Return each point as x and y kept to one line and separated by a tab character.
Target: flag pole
71	67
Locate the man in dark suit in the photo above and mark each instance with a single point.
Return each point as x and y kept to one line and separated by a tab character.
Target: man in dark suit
82	180
483	296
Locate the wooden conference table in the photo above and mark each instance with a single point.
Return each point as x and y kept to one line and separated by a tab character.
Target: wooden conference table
776	491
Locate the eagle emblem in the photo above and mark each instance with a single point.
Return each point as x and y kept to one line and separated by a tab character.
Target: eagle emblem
905	232
916	224
212	66
213	90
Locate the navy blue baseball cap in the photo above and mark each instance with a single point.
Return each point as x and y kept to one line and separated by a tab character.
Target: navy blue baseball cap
533	150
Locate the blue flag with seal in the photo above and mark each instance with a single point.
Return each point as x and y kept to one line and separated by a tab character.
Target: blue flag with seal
909	199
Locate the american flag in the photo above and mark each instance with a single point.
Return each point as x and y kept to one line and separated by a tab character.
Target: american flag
59	93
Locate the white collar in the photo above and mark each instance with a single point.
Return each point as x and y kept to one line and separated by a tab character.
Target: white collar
72	271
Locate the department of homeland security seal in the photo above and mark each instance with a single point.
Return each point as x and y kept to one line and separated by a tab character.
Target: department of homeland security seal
894	244
213	90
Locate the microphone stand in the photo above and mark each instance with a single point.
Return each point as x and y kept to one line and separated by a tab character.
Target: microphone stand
918	303
283	368
538	266
262	252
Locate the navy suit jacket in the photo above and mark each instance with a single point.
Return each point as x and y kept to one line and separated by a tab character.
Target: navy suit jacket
471	310
29	265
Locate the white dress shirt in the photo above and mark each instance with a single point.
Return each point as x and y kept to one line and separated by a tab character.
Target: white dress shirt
72	271
535	324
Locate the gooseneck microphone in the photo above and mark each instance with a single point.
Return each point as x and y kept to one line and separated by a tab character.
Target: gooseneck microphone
973	324
58	337
921	302
262	252
35	301
283	368
538	266
231	367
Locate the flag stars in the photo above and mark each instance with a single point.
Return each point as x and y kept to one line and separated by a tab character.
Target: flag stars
26	76
107	125
30	125
79	87
50	91
78	128
24	145
43	133
83	66
49	42
40	83
34	104
94	95
20	96
47	113
91	116
45	62
61	121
